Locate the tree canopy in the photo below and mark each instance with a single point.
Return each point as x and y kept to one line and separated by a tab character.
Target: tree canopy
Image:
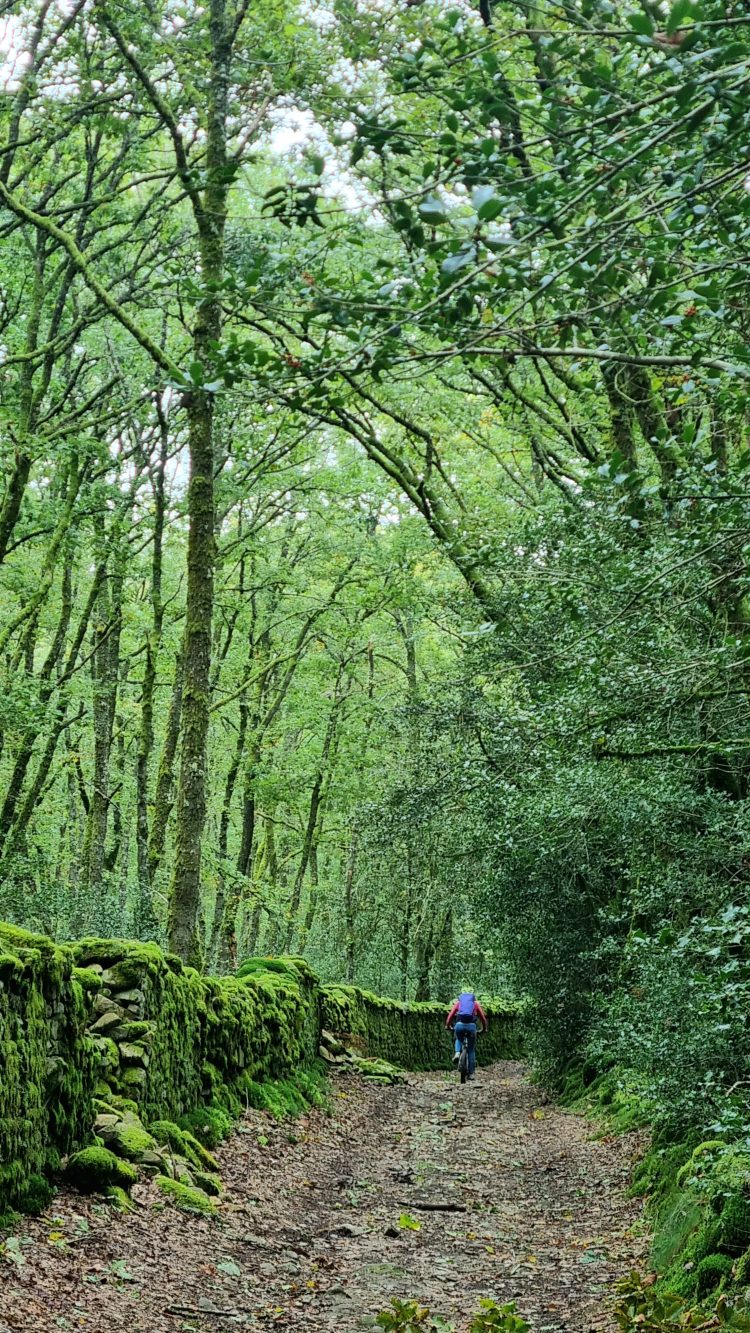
374	514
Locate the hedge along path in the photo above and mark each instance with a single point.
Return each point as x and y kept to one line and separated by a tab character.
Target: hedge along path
307	1236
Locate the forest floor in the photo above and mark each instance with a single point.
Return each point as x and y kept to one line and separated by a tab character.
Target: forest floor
316	1232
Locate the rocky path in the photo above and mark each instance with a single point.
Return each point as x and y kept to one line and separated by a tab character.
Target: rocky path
318	1227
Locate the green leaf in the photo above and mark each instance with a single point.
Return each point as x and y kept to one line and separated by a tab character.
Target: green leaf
11	1250
120	1269
481	195
680	11
408	1223
642	24
463	257
432	209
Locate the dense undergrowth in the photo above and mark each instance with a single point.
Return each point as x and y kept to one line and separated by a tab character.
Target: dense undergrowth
697	1193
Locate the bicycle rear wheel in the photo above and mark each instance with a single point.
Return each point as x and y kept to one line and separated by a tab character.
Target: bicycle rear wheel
463	1061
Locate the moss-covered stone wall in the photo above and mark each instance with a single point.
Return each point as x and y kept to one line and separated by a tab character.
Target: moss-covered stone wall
169	1038
47	1060
413	1035
110	1024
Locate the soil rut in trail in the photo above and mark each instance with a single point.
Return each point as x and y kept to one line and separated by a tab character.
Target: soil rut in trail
514	1200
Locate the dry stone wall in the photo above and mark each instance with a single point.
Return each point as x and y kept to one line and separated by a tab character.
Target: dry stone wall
104	1040
413	1035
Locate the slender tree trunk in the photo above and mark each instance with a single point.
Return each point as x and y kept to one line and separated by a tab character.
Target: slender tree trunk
163	795
105	678
220	906
16	489
405	942
271	873
145	917
46	688
184	901
349	913
312	821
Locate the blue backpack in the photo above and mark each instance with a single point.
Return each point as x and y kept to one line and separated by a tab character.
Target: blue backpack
466	1004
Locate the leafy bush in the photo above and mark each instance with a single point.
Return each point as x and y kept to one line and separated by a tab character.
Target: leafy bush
410	1317
645	1307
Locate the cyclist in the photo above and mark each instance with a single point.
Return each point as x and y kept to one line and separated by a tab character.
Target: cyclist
464	1015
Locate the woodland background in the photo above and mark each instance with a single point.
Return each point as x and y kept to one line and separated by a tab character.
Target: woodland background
374	517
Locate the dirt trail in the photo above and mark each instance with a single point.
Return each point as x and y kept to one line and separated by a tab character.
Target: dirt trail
533	1209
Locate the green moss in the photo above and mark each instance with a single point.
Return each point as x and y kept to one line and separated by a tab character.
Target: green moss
284	1097
109	1056
186	1144
678	1225
208	1182
103	1107
135	1032
734	1224
131	1142
209	1124
185	1197
47	1060
198	1155
378	1071
281	966
701	1160
93	1170
711	1273
120	1199
742	1270
216	1043
35	1197
125	961
90	981
124	1105
169	1135
656	1173
133	1079
412	1035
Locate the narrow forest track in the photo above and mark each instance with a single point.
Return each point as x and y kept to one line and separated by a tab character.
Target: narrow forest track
532	1208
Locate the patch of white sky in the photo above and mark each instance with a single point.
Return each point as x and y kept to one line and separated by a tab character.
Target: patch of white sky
14	54
295	132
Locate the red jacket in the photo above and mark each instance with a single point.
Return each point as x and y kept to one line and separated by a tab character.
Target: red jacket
478	1013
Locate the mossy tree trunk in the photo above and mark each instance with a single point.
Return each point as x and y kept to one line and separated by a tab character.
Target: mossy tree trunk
210	211
316	795
350	924
145	919
105	673
164	792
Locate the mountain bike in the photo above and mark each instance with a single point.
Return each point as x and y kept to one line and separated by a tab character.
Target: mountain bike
463	1062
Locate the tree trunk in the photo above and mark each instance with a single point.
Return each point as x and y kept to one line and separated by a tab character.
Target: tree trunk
163	795
184	900
220	906
349	914
105	672
312	821
145	917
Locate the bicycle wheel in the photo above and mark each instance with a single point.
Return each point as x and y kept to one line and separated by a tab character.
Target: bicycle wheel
463	1061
